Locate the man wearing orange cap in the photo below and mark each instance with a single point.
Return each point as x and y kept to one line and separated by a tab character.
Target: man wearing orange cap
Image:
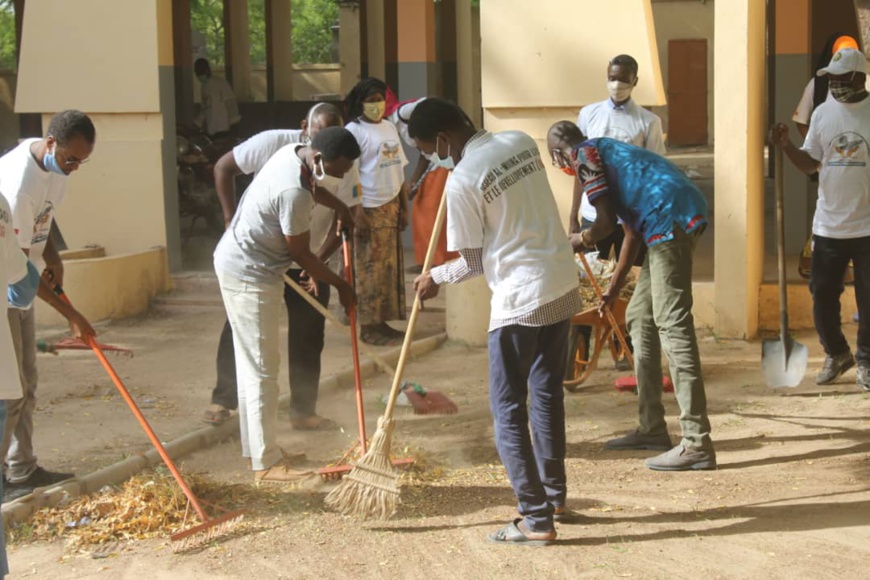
837	147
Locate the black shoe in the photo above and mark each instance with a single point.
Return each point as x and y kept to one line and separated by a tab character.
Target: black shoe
12	491
43	478
834	367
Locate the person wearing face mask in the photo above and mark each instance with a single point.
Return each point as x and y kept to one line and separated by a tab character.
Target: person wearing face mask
33	179
425	189
306	335
220	110
836	147
618	117
378	252
504	223
270	232
662	209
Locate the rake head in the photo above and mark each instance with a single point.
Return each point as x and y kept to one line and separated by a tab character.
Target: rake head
207	532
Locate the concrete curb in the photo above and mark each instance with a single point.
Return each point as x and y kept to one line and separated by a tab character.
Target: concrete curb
20	509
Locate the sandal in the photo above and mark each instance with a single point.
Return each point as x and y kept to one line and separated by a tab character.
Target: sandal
375	337
512	534
216	415
313	423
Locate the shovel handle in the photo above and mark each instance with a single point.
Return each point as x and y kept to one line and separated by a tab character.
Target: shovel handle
610	318
780	248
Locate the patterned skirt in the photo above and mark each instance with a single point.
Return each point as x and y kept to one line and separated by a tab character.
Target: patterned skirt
379	272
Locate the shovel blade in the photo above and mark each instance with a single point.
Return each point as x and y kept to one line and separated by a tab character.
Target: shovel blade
784	365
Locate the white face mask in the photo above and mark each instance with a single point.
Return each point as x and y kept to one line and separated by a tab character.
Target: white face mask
619	91
328	182
446	163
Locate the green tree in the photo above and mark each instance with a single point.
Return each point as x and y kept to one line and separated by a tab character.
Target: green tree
7	35
312	34
207	17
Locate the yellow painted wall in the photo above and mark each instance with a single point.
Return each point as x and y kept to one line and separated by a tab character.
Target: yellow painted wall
554	53
684	20
91	55
111	287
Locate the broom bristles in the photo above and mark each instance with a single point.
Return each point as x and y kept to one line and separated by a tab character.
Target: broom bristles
371	488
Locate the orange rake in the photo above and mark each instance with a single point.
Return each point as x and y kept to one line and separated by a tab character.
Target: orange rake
212	527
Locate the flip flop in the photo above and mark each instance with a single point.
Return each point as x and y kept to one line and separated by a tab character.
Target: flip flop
216	417
511	534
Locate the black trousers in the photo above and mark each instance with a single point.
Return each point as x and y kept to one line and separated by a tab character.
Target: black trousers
830	260
304	347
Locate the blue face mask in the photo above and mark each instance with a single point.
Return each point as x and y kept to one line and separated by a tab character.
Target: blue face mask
50	162
446	163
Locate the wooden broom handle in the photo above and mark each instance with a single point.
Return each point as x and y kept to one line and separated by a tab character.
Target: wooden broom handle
610	317
412	320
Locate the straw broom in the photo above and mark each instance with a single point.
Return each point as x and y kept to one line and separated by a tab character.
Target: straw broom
371	489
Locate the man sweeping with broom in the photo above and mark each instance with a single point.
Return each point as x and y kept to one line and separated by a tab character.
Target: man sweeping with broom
503	221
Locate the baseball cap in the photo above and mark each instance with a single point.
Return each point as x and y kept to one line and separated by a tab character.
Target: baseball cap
846	60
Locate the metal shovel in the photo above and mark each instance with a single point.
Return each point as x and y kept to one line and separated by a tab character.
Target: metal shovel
783	361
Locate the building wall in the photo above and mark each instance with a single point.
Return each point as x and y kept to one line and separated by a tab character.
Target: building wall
677	20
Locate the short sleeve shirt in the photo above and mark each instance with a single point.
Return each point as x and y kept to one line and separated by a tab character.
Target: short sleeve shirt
278	203
648	192
381	163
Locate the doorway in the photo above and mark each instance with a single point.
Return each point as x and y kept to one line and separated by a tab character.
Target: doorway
687	92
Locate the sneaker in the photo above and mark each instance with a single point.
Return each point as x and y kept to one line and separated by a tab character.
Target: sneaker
681	458
834	367
12	491
281	472
638	440
44	478
864	377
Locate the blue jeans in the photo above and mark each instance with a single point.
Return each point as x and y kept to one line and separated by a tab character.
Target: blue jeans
830	260
526	367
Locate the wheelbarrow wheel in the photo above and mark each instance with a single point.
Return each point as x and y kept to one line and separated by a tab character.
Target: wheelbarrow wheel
581	342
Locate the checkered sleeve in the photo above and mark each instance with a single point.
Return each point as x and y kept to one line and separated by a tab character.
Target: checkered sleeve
469	265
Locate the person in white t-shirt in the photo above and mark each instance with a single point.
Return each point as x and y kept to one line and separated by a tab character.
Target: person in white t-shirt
378	254
306	335
22	281
271	231
504	223
618	117
837	147
816	92
220	110
33	180
425	189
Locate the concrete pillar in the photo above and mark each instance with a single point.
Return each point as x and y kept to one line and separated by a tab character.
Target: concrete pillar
281	44
128	92
739	187
349	43
793	68
467	61
239	61
417	67
376	34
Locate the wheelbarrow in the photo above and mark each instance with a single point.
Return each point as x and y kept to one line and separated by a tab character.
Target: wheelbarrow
584	353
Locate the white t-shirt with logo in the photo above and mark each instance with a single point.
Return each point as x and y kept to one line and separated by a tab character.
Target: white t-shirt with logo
499	199
33	194
276	204
381	162
629	123
13	267
252	154
838	138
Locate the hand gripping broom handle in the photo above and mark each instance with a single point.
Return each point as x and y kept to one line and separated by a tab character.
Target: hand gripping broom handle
139	416
333	319
412	321
607	311
357	377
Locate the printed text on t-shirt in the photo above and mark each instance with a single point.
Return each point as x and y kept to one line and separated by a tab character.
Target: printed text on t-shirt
498	179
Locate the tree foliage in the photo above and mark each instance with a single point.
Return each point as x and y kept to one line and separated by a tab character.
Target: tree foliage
7	35
312	34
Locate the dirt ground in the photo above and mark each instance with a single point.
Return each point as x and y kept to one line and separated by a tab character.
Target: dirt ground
790	499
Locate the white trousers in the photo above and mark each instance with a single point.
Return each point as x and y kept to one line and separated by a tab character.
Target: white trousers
254	310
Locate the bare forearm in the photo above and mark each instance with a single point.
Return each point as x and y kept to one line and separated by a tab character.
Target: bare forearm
50	254
330	244
573	220
630	247
801	159
47	294
225	172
